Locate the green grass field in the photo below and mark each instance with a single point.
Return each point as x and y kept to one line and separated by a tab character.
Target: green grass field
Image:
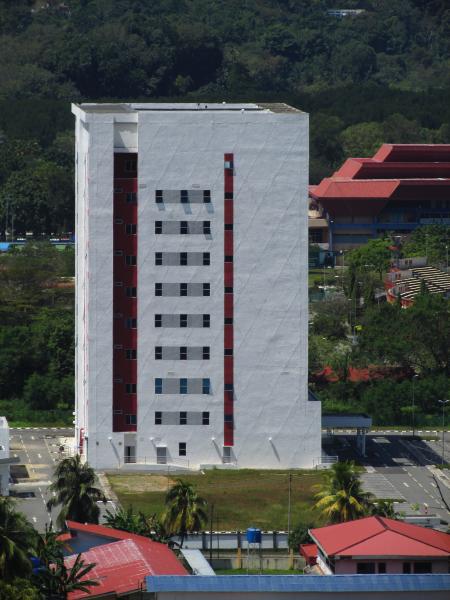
241	498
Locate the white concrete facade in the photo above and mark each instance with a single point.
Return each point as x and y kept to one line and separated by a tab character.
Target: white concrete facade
4	457
182	147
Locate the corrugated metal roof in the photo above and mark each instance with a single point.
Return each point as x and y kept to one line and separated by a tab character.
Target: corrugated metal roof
299	583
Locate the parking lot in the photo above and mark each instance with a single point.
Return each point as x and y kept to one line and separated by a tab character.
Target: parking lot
39	450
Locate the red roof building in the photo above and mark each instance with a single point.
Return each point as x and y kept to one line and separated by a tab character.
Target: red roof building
380	545
122	560
401	187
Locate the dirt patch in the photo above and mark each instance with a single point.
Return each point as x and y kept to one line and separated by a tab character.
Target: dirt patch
140	483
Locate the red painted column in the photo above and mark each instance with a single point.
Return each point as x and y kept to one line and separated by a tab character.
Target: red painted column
228	366
125	293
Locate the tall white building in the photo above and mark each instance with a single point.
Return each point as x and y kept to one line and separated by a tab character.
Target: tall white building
192	300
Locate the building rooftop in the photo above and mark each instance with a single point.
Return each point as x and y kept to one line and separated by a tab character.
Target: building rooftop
275	107
380	537
299	583
122	560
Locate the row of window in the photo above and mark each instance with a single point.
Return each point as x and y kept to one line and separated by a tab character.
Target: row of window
183	196
186	353
181	418
183	320
182	289
183	227
130	228
174	259
182	386
370	568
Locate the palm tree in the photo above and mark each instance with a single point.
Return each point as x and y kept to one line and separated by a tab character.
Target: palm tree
341	497
17	540
384	508
56	580
138	523
185	510
75	492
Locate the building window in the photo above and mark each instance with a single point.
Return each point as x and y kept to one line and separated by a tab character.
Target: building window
118	283
158	227
182	449
184	198
205	418
228	259
131	354
205	353
406	568
131	323
206	386
228	418
228	290
228	352
130	260
158	258
158	196
118	315
207	227
183	289
158	289
118	190
422	567
206	196
206	289
365	568
131	419
118	252
183	259
131	198
206	320
158	385
118	222
228	321
158	352
228	195
206	259
158	418
228	226
183	353
183	418
184	227
381	568
131	292
131	165
183	386
130	388
183	321
158	320
228	387
131	228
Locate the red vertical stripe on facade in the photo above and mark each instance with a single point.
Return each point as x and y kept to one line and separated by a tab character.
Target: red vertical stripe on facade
124	304
228	365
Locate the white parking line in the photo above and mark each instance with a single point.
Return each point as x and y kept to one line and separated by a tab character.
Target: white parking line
405	484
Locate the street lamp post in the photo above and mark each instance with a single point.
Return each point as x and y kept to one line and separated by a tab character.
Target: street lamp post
413	406
443	402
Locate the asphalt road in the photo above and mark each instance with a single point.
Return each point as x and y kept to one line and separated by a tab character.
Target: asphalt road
400	467
39	451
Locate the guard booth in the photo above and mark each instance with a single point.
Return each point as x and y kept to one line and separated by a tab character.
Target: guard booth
349	422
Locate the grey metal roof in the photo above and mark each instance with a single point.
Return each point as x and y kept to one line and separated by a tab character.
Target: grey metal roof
349	421
197	562
298	583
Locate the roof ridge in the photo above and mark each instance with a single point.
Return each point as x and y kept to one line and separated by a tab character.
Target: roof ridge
366	538
410	537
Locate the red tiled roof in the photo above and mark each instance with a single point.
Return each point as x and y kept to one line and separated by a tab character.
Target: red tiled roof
378	536
123	564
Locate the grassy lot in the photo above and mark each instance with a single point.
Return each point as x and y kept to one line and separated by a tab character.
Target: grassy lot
241	499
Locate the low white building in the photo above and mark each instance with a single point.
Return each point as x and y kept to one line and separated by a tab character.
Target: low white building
5	459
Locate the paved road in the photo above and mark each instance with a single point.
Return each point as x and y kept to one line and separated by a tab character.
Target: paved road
39	451
401	467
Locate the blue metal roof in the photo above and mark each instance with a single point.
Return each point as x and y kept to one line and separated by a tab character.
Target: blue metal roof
298	583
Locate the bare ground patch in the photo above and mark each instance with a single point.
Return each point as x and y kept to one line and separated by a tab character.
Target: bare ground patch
140	483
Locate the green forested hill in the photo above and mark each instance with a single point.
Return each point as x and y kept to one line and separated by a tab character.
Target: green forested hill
382	75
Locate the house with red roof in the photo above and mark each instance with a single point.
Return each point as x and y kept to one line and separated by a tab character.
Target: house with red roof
378	545
400	188
122	560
